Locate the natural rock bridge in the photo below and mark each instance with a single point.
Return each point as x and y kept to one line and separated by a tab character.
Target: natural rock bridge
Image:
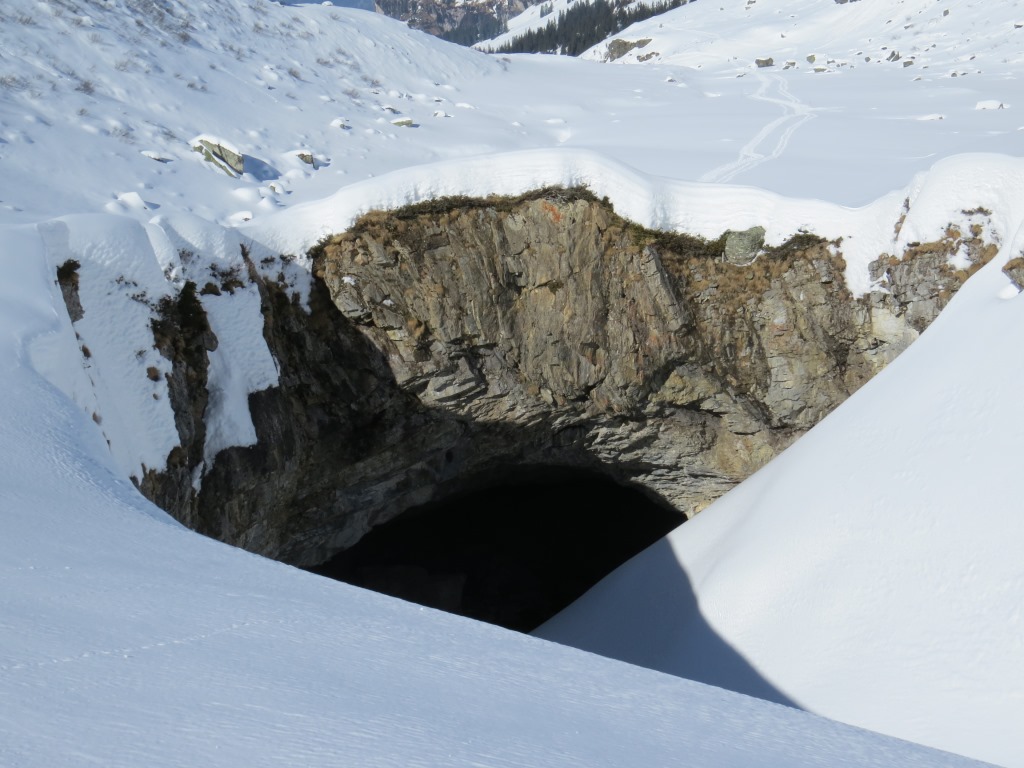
469	346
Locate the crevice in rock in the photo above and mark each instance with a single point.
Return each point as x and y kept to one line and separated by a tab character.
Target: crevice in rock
516	549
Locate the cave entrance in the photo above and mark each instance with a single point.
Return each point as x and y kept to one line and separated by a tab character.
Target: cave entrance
520	547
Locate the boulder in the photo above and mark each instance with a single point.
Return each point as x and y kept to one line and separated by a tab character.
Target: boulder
226	158
742	247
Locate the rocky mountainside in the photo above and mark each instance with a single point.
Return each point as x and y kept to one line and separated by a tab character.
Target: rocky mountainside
461	22
447	342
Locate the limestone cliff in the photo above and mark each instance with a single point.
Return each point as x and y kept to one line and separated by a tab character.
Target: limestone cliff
449	341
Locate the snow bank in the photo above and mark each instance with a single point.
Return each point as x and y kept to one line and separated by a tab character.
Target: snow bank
120	285
211	255
933	201
867	572
108	363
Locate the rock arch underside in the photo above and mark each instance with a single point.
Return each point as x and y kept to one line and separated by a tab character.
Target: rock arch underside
449	345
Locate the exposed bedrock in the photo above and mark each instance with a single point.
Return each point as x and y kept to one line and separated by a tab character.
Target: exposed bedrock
449	341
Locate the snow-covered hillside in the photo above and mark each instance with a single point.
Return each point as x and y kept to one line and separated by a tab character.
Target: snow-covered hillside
859	96
930	38
870	572
80	83
869	575
126	640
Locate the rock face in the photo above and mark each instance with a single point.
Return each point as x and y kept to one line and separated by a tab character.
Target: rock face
618	47
67	279
1014	269
471	21
182	334
450	341
224	158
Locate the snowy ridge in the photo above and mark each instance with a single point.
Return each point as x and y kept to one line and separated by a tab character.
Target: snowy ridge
932	202
126	268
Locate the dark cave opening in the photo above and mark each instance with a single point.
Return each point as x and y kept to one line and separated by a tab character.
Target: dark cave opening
516	550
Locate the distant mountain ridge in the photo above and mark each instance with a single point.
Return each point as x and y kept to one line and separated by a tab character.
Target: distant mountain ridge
584	25
454	20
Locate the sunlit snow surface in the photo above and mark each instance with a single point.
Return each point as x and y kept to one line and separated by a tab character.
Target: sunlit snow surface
126	640
872	574
872	571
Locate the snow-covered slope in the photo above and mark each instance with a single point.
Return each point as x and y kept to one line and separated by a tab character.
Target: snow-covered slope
125	639
938	37
135	83
122	86
872	571
860	95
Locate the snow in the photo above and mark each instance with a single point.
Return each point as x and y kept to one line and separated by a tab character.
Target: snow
241	364
857	118
119	290
991	104
866	572
130	641
107	362
869	575
934	200
127	640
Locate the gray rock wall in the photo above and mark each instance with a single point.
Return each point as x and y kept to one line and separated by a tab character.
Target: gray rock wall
452	340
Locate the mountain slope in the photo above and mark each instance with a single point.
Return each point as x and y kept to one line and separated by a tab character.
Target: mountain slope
122	633
935	38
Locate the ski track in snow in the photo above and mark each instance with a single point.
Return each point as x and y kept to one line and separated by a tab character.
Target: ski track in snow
796	114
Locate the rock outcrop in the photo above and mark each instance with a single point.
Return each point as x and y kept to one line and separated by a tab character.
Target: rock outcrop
447	342
227	159
465	22
619	47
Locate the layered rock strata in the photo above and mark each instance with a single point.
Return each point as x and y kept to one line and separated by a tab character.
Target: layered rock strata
447	342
